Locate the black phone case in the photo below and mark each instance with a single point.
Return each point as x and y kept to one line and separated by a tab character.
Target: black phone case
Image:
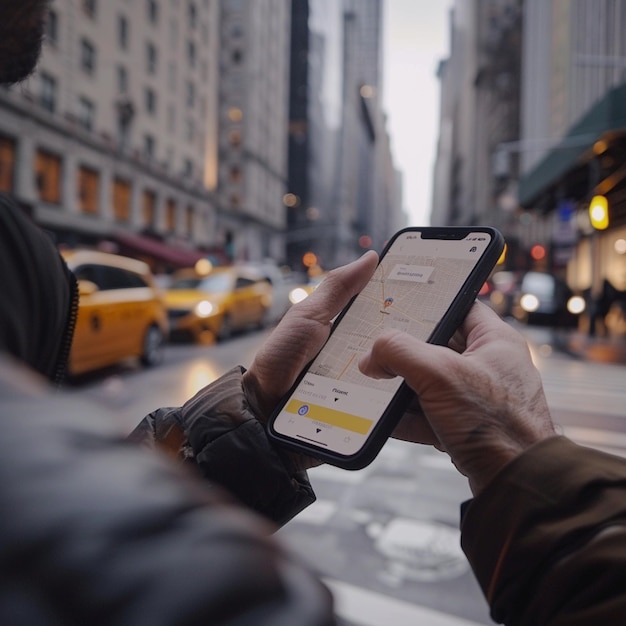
442	333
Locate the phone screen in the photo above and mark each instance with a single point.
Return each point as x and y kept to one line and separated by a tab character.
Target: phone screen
335	406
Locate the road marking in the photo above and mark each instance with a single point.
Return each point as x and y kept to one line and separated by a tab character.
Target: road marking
368	608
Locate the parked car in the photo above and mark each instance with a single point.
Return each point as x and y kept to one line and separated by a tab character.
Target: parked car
213	306
545	299
121	312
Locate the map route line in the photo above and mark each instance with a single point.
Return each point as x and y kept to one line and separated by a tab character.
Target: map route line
343	371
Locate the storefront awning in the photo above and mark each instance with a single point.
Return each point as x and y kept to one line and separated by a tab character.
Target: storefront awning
131	243
605	118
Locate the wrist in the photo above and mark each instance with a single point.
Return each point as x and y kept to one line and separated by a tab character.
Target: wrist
254	396
492	458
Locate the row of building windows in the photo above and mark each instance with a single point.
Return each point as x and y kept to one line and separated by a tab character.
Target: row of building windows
48	171
88	52
90	9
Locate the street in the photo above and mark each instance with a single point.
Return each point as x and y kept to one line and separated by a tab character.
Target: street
385	538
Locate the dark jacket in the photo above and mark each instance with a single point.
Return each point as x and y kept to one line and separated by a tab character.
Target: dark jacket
217	434
96	530
547	538
38	295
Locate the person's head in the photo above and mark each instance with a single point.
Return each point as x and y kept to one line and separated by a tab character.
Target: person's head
21	32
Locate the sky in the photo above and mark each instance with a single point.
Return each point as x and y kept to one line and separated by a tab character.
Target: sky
415	40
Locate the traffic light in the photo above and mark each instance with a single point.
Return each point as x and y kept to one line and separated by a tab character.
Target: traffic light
599	212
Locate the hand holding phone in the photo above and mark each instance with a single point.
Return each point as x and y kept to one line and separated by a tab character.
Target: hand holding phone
426	281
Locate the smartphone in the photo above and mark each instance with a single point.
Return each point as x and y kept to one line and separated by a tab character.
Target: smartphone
425	283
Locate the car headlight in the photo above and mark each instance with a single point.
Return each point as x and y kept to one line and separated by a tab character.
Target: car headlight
203	309
529	302
576	305
297	295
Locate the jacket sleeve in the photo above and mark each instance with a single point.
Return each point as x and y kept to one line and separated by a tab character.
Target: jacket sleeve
216	431
547	538
95	530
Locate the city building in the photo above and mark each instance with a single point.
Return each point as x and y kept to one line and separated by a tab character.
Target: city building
476	170
573	142
252	130
113	139
343	191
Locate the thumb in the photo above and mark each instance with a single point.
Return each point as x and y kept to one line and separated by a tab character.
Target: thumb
422	365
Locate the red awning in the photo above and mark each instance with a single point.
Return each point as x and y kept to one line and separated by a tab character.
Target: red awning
132	244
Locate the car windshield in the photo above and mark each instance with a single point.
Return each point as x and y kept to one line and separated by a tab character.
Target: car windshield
215	283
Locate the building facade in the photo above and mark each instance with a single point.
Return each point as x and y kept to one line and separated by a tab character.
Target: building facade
343	193
252	130
112	138
574	139
475	168
533	126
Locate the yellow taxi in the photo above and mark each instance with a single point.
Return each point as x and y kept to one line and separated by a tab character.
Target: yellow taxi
212	306
121	312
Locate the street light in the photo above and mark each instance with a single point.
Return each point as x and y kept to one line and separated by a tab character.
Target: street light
599	212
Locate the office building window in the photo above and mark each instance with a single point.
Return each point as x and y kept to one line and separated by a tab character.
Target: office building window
123	32
90	7
148	208
152	9
192	14
121	200
86	113
170	216
234	174
191	53
235	201
48	92
149	147
191	94
189	220
150	98
7	164
87	56
187	168
52	28
48	176
122	79
151	58
234	138
88	182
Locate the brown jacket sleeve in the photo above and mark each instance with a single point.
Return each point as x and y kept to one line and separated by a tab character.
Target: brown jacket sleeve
547	538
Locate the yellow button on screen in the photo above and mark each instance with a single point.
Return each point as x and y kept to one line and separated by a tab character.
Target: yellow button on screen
330	416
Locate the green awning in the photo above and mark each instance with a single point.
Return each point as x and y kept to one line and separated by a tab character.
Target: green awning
609	114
